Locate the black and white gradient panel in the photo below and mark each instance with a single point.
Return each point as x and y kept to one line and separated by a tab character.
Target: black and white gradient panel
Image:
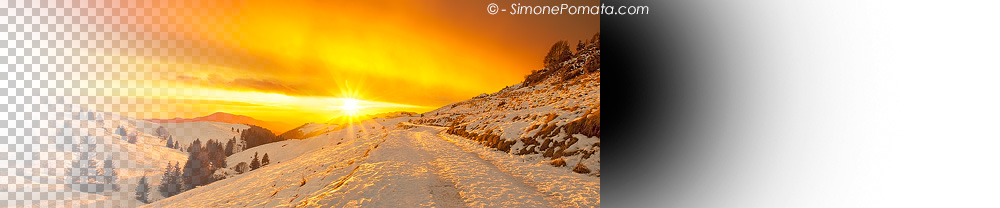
778	103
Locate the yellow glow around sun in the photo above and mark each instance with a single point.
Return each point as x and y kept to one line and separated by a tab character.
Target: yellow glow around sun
350	106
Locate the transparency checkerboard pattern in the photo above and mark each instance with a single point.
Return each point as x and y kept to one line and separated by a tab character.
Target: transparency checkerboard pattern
62	61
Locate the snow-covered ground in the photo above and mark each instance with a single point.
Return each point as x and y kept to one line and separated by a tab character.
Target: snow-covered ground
556	115
404	165
309	130
288	149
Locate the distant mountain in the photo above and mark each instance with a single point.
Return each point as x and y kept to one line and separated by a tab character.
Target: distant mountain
313	129
274	126
344	119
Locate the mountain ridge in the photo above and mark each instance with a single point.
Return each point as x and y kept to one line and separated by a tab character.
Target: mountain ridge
223	117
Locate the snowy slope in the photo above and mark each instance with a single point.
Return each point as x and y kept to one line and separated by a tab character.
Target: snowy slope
187	132
284	150
313	129
554	113
74	127
309	130
404	165
319	135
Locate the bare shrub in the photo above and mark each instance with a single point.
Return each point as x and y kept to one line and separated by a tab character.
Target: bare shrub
532	127
580	168
242	167
546	130
505	145
558	162
592	64
550	116
589	125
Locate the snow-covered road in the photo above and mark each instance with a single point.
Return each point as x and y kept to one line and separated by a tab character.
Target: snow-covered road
418	166
482	183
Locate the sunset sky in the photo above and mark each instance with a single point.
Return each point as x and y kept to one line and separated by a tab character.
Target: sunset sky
294	61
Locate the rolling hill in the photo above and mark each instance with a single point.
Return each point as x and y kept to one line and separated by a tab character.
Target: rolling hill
274	126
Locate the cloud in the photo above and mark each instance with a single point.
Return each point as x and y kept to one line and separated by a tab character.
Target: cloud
426	53
251	84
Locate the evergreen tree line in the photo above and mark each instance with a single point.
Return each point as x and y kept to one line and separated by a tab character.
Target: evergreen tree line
259	162
173	144
232	147
203	161
256	136
171	183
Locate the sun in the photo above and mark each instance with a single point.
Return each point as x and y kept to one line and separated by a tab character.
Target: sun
350	106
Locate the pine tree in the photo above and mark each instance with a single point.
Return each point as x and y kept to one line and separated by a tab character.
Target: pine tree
170	142
165	180
170	183
202	162
142	191
177	145
195	146
176	182
230	145
255	163
216	154
109	174
74	174
264	161
83	173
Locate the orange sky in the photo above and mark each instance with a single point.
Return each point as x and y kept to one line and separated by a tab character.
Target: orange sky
293	61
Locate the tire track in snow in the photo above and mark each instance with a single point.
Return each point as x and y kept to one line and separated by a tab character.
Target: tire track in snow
480	183
574	190
396	174
311	201
443	192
